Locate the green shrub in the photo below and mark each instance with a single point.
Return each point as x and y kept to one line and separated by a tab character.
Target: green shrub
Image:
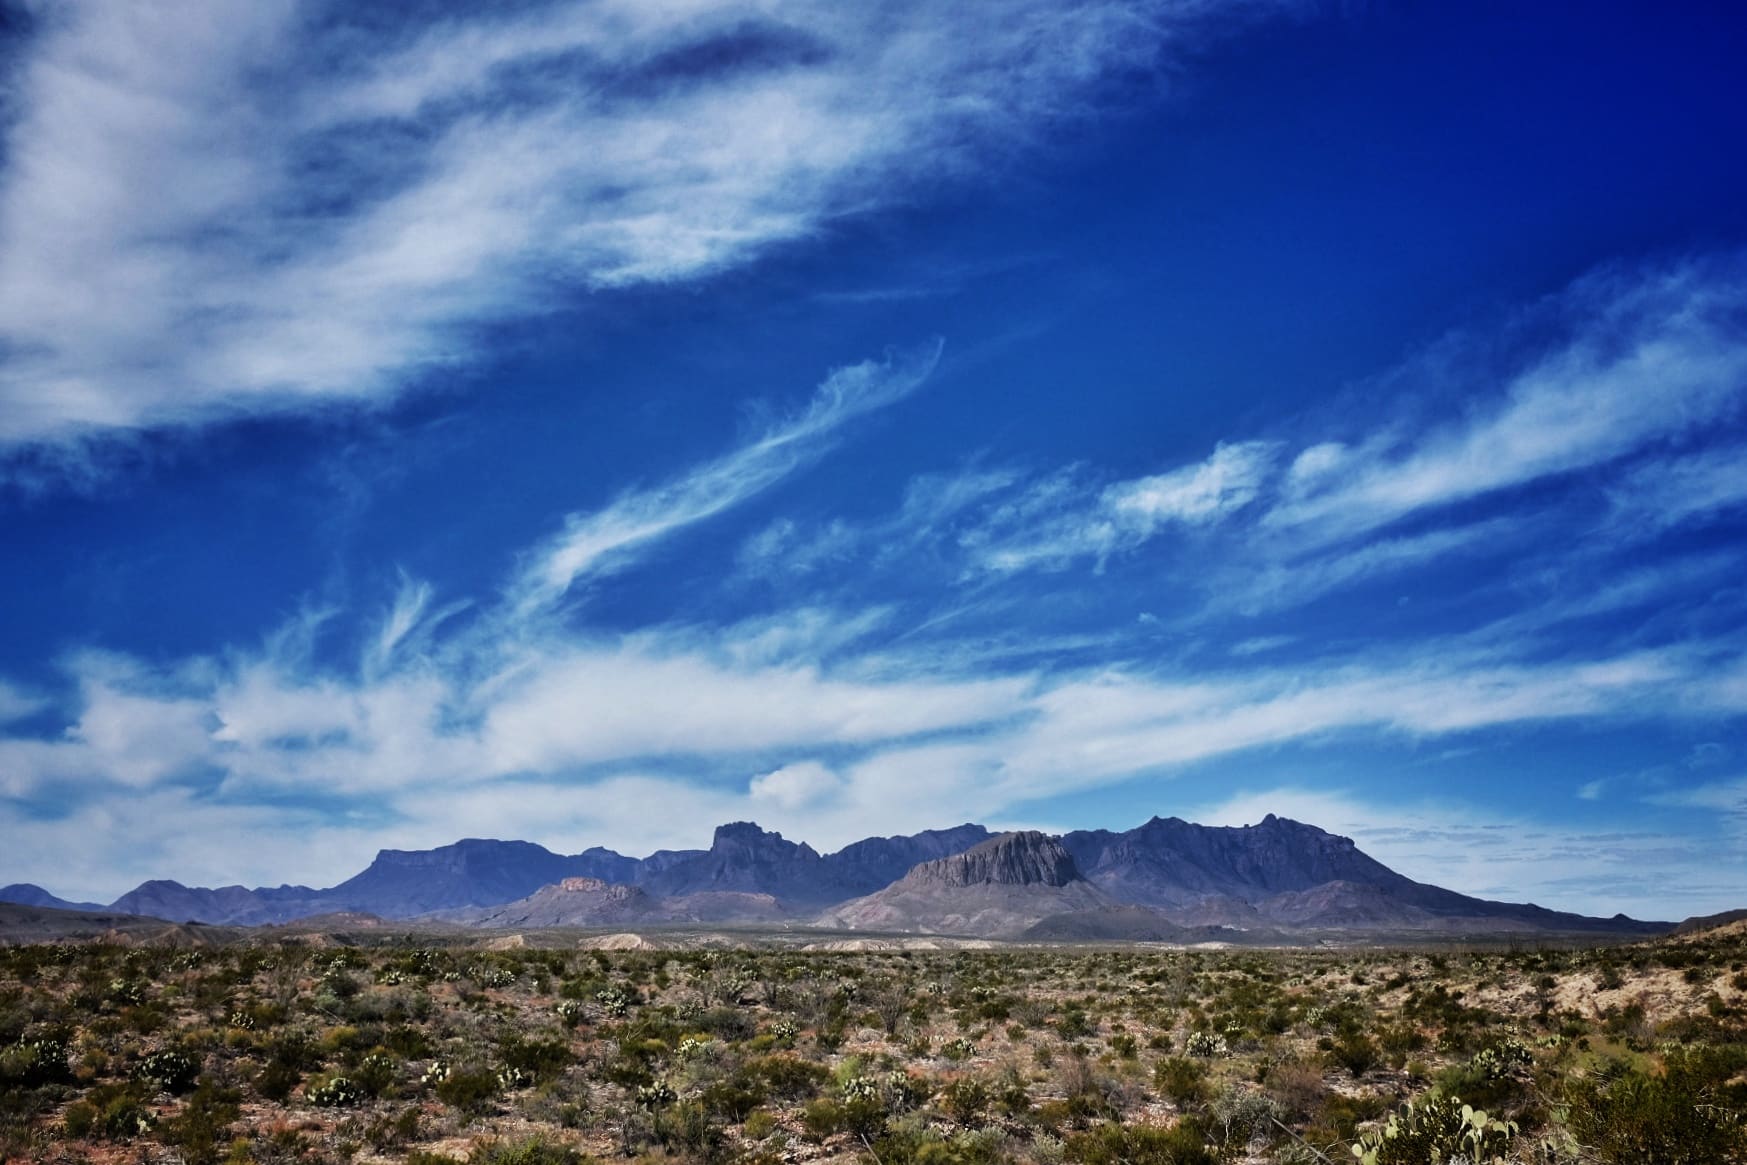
789	1077
540	1059
112	1112
472	1090
822	1118
203	1125
376	1072
531	1151
288	1056
1626	1116
1354	1051
1114	1144
1073	1023
912	1142
1181	1081
965	1100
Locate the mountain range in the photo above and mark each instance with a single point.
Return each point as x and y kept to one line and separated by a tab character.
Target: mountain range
1167	879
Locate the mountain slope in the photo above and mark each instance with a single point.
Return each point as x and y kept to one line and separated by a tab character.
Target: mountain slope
227	905
471	872
1171	862
591	902
1286	873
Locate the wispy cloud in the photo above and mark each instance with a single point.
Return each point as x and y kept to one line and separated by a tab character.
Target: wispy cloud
216	208
16	703
602	541
1058	520
1663	494
1637	357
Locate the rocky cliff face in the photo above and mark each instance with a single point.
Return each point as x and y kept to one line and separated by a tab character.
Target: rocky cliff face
576	901
877	862
1012	859
998	889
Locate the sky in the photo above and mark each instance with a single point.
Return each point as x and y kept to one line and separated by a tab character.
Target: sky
593	421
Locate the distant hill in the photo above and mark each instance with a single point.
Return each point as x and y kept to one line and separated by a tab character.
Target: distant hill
592	902
25	894
1728	920
227	905
46	924
471	872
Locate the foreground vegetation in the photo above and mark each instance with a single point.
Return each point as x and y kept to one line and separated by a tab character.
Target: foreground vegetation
313	1052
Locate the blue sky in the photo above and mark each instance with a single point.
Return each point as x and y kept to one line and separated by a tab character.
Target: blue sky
594	421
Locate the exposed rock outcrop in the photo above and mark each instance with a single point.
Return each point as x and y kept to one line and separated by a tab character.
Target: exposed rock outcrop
998	889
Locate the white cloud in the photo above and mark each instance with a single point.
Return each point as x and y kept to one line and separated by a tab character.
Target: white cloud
802	636
590	706
796	786
1226	482
216	207
104	847
1058	519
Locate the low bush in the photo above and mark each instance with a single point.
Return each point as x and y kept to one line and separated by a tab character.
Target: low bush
1115	1144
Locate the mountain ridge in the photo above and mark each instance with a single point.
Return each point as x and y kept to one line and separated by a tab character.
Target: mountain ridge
1163	876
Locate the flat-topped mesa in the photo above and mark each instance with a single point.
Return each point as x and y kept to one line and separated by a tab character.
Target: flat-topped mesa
748	839
1028	858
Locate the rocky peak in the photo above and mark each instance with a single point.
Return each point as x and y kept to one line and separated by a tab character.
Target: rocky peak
581	885
1027	858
